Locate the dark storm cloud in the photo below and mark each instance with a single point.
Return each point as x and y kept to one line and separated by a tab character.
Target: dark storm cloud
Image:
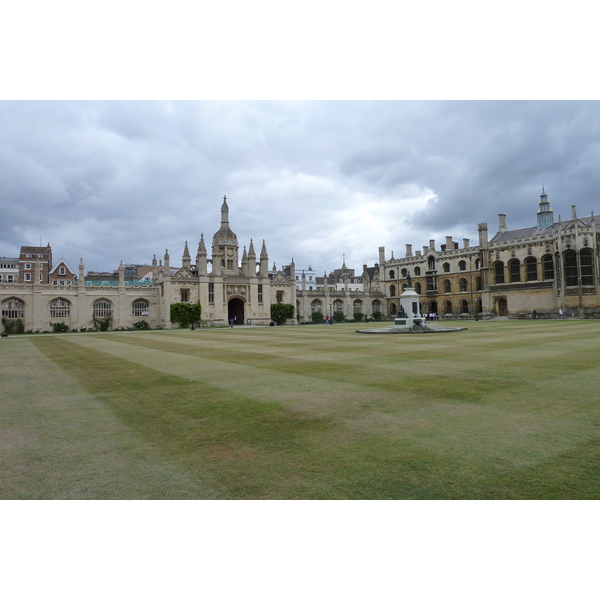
125	180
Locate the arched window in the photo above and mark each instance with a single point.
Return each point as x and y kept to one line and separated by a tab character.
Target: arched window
514	268
316	306
531	268
417	271
447	286
140	308
392	290
499	271
357	306
404	272
392	274
446	267
448	307
431	263
393	309
376	306
13	308
418	288
463	284
60	308
478	283
338	305
462	265
570	260
477	264
548	266
586	259
102	308
464	306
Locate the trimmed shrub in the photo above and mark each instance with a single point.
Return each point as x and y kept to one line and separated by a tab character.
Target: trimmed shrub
317	317
13	326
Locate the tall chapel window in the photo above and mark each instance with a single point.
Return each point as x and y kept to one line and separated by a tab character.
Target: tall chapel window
211	293
548	263
260	293
514	267
185	295
570	259
531	268
587	270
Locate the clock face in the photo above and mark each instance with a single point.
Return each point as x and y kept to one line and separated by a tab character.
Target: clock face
230	252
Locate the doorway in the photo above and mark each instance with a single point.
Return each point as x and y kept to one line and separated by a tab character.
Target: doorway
502	307
235	310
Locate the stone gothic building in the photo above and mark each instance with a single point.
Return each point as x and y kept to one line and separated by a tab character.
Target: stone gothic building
548	267
225	286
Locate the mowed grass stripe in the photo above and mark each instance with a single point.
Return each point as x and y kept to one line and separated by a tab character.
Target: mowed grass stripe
354	439
257	449
447	374
58	441
511	435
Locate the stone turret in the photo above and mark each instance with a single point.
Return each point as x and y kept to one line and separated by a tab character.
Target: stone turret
245	263
201	262
81	272
225	244
501	223
251	260
264	261
545	216
186	259
482	229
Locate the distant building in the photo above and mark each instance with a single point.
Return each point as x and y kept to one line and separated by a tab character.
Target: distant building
35	263
9	269
62	274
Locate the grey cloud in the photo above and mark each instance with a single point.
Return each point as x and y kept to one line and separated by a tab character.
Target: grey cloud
125	180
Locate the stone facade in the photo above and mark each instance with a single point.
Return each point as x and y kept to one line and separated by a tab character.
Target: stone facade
225	287
546	268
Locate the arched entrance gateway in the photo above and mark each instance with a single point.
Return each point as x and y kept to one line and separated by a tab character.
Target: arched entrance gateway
235	310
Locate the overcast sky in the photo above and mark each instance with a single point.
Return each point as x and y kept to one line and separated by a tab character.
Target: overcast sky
124	180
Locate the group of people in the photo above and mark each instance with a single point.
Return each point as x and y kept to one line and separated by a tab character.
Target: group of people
431	316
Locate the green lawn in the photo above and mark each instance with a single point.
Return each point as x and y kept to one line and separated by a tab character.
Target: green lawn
505	410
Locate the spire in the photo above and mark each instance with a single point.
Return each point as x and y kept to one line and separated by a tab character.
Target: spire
201	245
545	216
251	251
186	260
263	251
224	211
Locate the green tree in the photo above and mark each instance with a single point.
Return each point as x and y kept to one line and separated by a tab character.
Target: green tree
338	316
13	326
317	317
185	314
280	312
